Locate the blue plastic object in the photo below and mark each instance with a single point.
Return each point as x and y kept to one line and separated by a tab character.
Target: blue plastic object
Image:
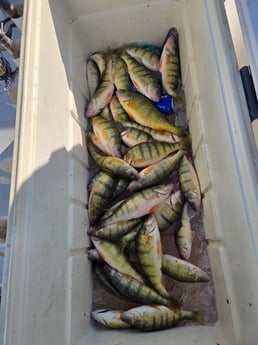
165	105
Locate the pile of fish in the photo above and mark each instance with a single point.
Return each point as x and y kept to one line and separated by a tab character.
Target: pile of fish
143	180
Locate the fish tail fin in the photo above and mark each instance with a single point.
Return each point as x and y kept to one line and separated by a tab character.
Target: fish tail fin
186	142
199	317
175	303
179	100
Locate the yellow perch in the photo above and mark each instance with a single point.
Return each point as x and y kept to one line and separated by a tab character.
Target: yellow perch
141	110
103	279
129	237
157	317
121	185
144	154
145	56
113	165
114	257
189	183
100	195
104	92
92	77
157	134
139	204
118	113
183	270
149	252
100	61
132	136
169	63
120	72
143	79
169	210
108	135
156	172
134	289
113	231
184	236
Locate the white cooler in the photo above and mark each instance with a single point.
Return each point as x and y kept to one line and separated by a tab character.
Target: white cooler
47	289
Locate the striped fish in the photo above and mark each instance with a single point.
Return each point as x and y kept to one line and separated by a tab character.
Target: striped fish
184	236
100	195
108	134
139	204
169	210
149	252
148	58
134	289
189	183
128	238
104	92
104	280
155	173
113	231
132	136
113	165
157	134
141	110
183	270
100	61
118	113
169	63
143	79
120	187
120	73
157	317
92	77
114	257
146	153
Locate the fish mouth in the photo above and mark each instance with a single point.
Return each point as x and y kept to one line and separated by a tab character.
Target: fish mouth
154	96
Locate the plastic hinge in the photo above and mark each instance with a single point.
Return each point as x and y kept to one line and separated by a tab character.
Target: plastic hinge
250	93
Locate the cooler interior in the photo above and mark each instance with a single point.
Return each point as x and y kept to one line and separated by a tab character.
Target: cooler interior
48	284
